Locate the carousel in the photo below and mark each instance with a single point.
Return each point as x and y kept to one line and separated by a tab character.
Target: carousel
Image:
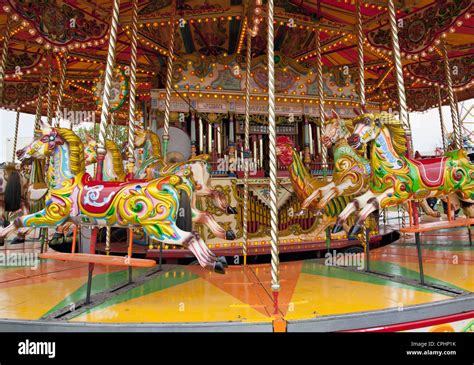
240	165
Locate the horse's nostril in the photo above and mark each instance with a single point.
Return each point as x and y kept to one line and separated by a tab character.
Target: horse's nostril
353	139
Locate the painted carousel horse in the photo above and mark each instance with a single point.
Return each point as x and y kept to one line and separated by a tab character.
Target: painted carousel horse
397	179
74	196
351	172
304	184
114	171
154	166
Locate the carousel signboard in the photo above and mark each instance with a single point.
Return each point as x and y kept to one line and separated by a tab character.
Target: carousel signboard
238	107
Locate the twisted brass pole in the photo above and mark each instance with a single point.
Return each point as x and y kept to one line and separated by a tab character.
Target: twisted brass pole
3	65
399	76
360	52
50	92
460	123
275	260
107	87
319	81
133	86
444	132
169	80
39	103
15	138
457	132
62	81
111	127
246	147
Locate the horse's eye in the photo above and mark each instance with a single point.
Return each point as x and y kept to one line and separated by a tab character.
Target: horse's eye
51	138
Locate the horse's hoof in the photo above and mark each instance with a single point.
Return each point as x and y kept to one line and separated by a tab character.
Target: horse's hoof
355	230
230	235
219	268
231	210
337	228
223	261
17	240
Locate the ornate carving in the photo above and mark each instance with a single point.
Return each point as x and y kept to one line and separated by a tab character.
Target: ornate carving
462	70
18	92
23	60
419	98
422	27
154	6
53	19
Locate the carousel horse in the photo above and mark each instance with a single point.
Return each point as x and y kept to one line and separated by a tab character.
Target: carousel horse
351	172
74	196
304	184
154	166
397	179
114	171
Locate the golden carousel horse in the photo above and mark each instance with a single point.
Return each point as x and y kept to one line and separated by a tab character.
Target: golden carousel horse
397	179
304	184
351	172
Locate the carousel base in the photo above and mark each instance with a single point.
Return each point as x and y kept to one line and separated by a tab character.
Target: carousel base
256	247
314	296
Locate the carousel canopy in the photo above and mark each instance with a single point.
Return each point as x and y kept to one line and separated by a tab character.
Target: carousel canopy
210	49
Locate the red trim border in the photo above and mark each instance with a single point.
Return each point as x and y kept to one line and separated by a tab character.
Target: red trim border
417	324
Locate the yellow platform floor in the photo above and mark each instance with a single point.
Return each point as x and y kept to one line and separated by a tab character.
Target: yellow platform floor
190	294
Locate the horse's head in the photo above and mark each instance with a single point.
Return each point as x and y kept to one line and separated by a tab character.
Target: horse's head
334	129
367	127
153	147
90	150
284	150
42	146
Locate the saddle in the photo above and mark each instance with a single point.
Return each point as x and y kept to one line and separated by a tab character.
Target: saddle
431	170
97	196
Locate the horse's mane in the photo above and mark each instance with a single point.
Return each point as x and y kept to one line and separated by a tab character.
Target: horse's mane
347	126
397	132
76	150
117	158
155	143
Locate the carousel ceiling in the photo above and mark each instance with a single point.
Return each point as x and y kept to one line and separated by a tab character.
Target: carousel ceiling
212	32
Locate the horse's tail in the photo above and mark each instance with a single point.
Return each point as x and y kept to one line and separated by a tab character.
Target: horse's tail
184	220
13	192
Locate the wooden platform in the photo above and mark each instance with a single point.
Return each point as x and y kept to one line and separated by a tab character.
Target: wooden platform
97	259
436	226
191	296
